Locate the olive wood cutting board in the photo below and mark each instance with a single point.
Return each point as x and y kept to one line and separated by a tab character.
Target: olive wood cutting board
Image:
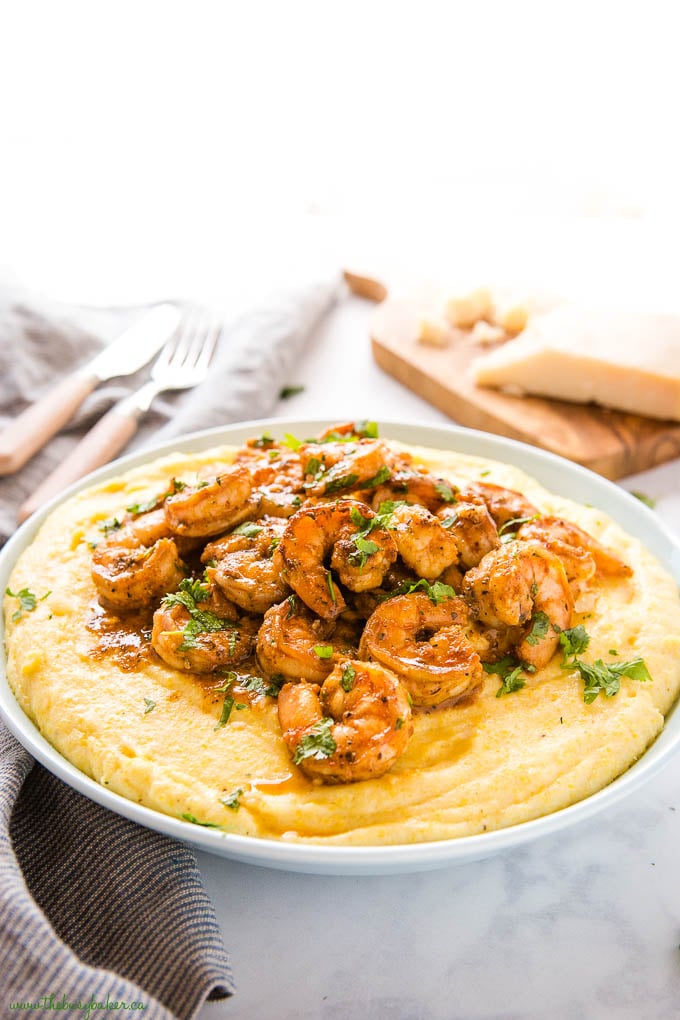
613	443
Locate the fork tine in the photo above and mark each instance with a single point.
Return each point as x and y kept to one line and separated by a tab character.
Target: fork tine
208	349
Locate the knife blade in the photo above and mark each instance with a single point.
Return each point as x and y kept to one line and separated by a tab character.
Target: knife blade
132	349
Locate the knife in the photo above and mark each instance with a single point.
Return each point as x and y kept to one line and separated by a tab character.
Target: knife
123	356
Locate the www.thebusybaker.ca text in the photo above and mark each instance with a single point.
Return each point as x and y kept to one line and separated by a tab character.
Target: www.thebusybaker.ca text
86	1006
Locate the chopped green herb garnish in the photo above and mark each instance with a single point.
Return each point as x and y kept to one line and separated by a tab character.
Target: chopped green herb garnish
366	429
484	474
399	723
324	651
513	524
331	587
348	677
448	522
383	475
292	606
364	548
574	641
601	677
613	651
644	498
438	591
312	466
276	682
227	706
445	492
112	524
540	624
340	483
27	601
318	743
291	442
510	671
297	501
264	441
143	508
202	621
149	705
194	821
286	392
248	529
231	800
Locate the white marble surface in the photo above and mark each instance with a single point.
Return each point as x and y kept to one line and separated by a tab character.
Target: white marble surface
582	925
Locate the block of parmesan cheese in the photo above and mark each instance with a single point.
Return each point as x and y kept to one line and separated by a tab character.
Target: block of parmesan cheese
628	361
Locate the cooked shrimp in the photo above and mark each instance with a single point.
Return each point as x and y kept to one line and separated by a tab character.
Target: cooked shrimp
574	546
426	646
504	505
201	632
277	480
423	543
473	530
523	585
343	467
211	507
245	564
360	558
411	485
295	643
136	564
352	728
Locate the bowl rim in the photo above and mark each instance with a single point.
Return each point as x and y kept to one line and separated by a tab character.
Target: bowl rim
349	859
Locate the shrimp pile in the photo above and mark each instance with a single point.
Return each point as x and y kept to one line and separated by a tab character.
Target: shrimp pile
356	587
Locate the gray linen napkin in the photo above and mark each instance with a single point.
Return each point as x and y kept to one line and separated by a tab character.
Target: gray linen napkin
92	905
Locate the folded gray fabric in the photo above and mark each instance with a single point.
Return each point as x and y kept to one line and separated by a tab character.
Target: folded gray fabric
94	908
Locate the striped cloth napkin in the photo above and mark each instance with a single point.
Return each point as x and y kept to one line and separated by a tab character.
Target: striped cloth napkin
93	908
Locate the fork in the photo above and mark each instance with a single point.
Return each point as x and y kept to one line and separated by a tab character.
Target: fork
183	363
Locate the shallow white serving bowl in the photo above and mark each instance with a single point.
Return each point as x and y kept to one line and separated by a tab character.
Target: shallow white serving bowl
557	475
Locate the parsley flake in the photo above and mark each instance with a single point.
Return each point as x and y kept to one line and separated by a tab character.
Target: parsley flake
445	492
605	678
231	800
286	392
383	475
364	548
324	651
194	821
227	706
150	705
506	532
540	624
510	672
248	529
437	592
112	524
317	744
27	601
348	677
574	641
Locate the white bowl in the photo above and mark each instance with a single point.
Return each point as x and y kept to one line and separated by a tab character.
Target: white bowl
557	475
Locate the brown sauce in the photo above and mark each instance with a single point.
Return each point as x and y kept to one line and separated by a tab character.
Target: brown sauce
125	640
